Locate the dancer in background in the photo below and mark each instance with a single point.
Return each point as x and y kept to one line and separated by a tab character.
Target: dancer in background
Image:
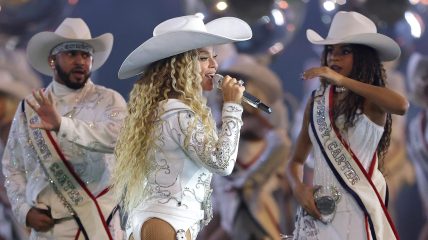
347	122
169	147
17	79
250	201
417	145
398	169
12	91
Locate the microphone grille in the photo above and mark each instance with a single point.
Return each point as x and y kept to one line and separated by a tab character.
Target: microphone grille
217	81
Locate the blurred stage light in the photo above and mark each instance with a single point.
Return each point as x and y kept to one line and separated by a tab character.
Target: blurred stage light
328	5
221	6
274	22
415	22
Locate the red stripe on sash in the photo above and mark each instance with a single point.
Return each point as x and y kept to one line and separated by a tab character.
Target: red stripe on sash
81	183
336	130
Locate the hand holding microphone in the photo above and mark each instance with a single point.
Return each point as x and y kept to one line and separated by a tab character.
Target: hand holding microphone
231	89
247	98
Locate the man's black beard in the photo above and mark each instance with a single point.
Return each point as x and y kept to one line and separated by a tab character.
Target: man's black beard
65	77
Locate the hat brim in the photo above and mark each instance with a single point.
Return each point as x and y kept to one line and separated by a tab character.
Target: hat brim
386	47
219	31
13	87
263	77
265	81
41	44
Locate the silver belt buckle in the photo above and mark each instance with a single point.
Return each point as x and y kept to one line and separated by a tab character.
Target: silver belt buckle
326	199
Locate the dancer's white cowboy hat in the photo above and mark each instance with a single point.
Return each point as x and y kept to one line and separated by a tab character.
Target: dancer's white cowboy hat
181	34
355	28
417	77
11	86
71	29
268	86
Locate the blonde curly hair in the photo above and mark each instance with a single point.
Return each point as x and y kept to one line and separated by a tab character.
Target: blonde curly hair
174	77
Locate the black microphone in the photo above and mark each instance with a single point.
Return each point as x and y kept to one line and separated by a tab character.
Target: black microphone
248	98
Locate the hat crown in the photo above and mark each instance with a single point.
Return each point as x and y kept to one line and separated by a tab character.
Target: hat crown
184	23
355	28
6	77
346	24
10	85
188	32
73	28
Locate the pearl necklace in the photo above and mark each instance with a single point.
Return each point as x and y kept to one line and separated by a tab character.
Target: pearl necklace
340	89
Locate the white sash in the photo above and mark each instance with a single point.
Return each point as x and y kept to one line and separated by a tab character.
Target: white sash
348	169
71	190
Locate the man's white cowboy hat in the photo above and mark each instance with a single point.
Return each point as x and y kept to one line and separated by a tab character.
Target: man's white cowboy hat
71	29
417	78
355	28
181	34
11	86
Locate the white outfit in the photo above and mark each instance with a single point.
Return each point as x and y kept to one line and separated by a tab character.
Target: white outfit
349	220
180	175
92	117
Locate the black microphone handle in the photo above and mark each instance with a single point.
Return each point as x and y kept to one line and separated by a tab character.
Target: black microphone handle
255	102
247	98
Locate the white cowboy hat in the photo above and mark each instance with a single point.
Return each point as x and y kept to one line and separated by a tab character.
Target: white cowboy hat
267	85
355	28
181	34
417	78
11	86
71	29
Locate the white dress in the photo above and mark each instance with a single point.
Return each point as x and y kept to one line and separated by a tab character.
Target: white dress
349	220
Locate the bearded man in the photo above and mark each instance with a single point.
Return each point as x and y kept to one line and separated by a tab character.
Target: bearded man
58	157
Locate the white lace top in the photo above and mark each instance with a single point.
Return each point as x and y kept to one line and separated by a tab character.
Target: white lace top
180	173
